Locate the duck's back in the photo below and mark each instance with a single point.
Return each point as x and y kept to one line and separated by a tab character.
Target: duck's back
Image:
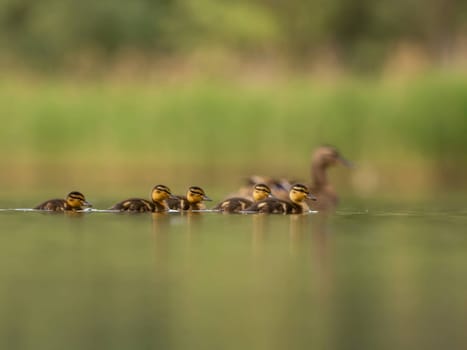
134	205
233	205
182	203
275	206
53	205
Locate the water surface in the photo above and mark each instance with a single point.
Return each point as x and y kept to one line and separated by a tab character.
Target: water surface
353	280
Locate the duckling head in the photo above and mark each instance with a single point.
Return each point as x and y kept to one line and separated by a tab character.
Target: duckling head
76	200
298	193
160	193
261	191
326	156
196	194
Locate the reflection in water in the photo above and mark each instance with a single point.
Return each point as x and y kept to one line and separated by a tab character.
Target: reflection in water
258	235
321	254
203	280
193	230
161	230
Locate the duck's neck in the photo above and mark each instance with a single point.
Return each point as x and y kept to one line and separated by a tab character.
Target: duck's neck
319	178
304	206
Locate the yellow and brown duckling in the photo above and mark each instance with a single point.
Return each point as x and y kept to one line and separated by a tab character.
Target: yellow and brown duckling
158	202
295	205
74	201
192	201
237	204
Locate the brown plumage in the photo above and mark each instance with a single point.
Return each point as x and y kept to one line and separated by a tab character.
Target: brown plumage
74	201
237	204
323	158
295	205
279	187
192	201
158	202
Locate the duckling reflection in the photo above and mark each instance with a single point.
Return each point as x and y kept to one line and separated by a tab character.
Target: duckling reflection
258	233
160	221
74	201
161	230
299	228
321	255
192	201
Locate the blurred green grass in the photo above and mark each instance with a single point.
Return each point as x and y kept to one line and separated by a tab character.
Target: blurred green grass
215	131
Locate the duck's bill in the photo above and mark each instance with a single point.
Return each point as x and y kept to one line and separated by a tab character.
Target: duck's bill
311	196
206	198
87	204
172	196
346	162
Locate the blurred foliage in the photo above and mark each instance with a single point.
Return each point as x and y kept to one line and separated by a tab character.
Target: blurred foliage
361	33
409	135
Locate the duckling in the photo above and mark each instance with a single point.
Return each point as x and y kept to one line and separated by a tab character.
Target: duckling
158	203
74	201
236	204
295	205
192	200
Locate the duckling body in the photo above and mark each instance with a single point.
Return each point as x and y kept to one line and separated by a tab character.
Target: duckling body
295	205
192	201
158	203
74	201
276	206
135	205
237	204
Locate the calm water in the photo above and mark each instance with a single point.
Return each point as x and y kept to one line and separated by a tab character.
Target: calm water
355	280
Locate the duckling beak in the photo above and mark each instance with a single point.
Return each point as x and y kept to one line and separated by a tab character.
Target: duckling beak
206	198
345	162
87	204
172	196
311	196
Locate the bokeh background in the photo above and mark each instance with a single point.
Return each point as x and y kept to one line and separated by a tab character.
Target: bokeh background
111	97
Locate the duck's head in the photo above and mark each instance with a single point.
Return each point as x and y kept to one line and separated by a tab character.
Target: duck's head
326	156
261	191
76	200
160	193
298	193
196	194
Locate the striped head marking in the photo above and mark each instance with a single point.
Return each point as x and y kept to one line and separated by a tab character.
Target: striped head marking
160	193
76	200
261	191
196	194
298	193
